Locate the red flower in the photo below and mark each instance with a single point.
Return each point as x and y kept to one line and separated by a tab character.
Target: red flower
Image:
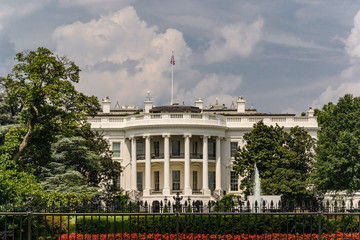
192	236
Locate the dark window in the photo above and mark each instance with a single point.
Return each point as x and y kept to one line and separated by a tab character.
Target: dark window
212	150
139	180
157	180
156	206
233	148
195	147
176	180
116	149
139	148
195	180
234	186
156	149
175	148
212	180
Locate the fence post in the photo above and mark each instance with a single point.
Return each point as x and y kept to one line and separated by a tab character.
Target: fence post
177	225
177	210
319	199
319	225
29	214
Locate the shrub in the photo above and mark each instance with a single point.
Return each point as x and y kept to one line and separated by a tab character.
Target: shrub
102	224
238	224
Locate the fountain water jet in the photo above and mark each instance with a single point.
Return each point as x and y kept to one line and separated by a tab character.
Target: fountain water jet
257	189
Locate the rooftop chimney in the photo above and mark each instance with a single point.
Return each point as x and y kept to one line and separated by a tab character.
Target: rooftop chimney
199	103
148	103
310	112
241	105
106	105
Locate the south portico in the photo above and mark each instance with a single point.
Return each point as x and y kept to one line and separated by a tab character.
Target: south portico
182	149
168	163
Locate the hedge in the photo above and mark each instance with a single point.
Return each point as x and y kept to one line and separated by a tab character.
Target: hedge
218	224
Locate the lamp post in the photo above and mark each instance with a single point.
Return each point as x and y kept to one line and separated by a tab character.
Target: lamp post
177	200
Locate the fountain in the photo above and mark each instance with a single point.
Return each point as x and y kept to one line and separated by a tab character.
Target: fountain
257	189
262	200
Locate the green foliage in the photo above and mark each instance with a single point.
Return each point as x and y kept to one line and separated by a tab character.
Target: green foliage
11	143
338	147
55	199
40	88
73	165
15	184
53	142
225	204
238	224
284	159
79	164
103	224
166	210
188	209
8	118
44	226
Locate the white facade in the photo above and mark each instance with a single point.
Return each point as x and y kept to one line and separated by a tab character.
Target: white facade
170	149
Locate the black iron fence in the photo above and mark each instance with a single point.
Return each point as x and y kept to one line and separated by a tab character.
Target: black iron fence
179	219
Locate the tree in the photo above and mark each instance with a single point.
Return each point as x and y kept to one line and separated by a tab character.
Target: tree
15	184
80	164
8	118
338	147
40	88
284	160
53	141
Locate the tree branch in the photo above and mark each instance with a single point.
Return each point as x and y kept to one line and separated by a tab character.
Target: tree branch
26	139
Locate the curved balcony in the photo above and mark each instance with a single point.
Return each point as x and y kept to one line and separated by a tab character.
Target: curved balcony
158	119
196	119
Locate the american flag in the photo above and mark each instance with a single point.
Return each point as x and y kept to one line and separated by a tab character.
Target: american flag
172	61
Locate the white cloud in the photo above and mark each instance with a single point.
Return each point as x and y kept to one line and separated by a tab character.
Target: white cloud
212	86
15	9
117	38
234	40
332	94
352	43
292	41
11	11
95	6
122	57
348	80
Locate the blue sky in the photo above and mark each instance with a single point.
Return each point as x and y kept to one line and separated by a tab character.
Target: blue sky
281	56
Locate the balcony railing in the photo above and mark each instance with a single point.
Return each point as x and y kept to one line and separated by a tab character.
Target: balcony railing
177	155
176	190
140	156
196	155
157	156
196	191
196	119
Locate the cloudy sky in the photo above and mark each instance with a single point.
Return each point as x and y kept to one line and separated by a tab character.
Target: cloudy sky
281	56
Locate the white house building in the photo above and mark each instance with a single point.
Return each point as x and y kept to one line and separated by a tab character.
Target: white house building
187	149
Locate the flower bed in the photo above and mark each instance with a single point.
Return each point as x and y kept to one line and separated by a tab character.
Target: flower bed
191	236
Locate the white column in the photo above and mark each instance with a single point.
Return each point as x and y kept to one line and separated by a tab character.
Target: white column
187	189
147	167
166	189
218	166
124	181
133	164
205	186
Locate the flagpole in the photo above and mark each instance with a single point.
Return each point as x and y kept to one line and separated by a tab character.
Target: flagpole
172	77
